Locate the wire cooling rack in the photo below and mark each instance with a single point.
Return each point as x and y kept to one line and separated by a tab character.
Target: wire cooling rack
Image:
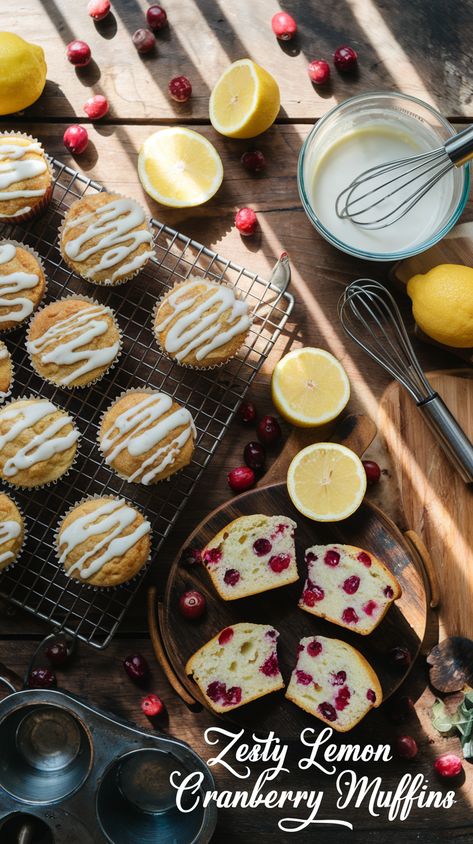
37	582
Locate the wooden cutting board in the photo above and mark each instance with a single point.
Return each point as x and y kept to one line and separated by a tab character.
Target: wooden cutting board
436	502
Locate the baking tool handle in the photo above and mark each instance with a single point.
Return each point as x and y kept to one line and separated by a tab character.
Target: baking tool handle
453	440
460	148
427	564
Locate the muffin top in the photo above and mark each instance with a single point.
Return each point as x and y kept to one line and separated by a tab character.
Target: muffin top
6	371
146	436
72	342
103	541
105	238
201	323
22	284
24	174
12	530
38	442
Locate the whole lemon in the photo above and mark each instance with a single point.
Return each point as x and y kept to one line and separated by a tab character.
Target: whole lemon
22	73
442	304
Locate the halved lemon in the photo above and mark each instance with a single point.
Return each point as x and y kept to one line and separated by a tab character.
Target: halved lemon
180	168
309	387
245	101
326	482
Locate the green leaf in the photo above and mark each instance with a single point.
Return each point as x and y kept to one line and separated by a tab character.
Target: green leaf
441	719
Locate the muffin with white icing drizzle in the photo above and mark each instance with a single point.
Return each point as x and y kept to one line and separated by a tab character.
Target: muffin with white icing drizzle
38	442
22	283
6	372
146	436
12	531
105	238
103	541
26	179
73	342
200	323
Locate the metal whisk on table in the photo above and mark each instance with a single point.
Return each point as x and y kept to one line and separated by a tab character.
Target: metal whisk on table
372	319
381	195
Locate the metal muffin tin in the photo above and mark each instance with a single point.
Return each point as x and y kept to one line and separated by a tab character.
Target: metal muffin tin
72	773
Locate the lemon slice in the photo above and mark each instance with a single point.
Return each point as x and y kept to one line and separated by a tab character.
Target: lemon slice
326	482
245	101
309	387
179	167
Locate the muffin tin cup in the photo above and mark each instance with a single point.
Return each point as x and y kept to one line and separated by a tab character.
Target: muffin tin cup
33	252
44	201
110	311
22	546
6	395
83	583
107	282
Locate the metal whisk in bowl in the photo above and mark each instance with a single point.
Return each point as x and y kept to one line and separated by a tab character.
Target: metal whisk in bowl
372	319
381	195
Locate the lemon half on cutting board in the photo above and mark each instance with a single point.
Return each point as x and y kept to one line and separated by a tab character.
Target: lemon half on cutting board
245	101
309	387
326	482
180	168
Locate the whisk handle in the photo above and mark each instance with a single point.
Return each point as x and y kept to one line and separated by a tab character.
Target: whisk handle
460	148
452	438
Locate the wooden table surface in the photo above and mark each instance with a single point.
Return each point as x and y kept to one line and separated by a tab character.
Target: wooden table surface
420	48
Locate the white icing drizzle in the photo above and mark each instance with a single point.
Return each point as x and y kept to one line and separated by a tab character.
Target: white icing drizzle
116	225
198	327
15	283
141	428
15	168
3	351
41	446
8	530
111	519
72	336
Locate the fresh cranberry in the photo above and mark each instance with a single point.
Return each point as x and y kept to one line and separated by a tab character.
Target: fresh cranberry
370	607
319	72
270	667
327	711
283	26
312	595
371	695
233	696
400	657
226	636
191	556
388	591
310	557
136	667
57	653
345	59
253	160
302	678
156	17
231	577
180	89
332	558
349	616
448	765
96	107
152	705
192	604
254	455
216	691
78	53
262	547
314	648
144	40
247	413
401	709
212	555
269	431
241	478
98	9
364	558
373	472
41	678
339	678
246	221
351	584
279	562
343	698
406	747
76	139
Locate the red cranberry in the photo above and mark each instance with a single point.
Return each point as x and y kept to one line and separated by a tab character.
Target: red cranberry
271	634
241	478
233	696
269	431
314	648
246	221
302	678
156	17
144	40
191	556
364	558
76	139
212	555
349	616
371	695
406	747
253	160
270	667
319	72
370	607
136	667
351	584
388	591
311	557
152	705
231	577
400	657
41	678
262	547
78	53
279	562
96	107
254	455
342	699
226	636
345	59
339	678
332	558
373	472
247	412
98	9
448	765
57	653
283	26
312	595
216	690
327	711
192	604
180	89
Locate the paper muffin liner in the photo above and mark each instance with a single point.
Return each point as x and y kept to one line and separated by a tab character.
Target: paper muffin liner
42	202
22	546
20	488
83	583
35	255
5	396
149	390
107	282
112	364
170	357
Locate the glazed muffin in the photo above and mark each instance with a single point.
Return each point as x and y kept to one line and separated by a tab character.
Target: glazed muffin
22	283
38	442
146	436
103	541
105	238
12	531
6	372
26	179
73	342
201	323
